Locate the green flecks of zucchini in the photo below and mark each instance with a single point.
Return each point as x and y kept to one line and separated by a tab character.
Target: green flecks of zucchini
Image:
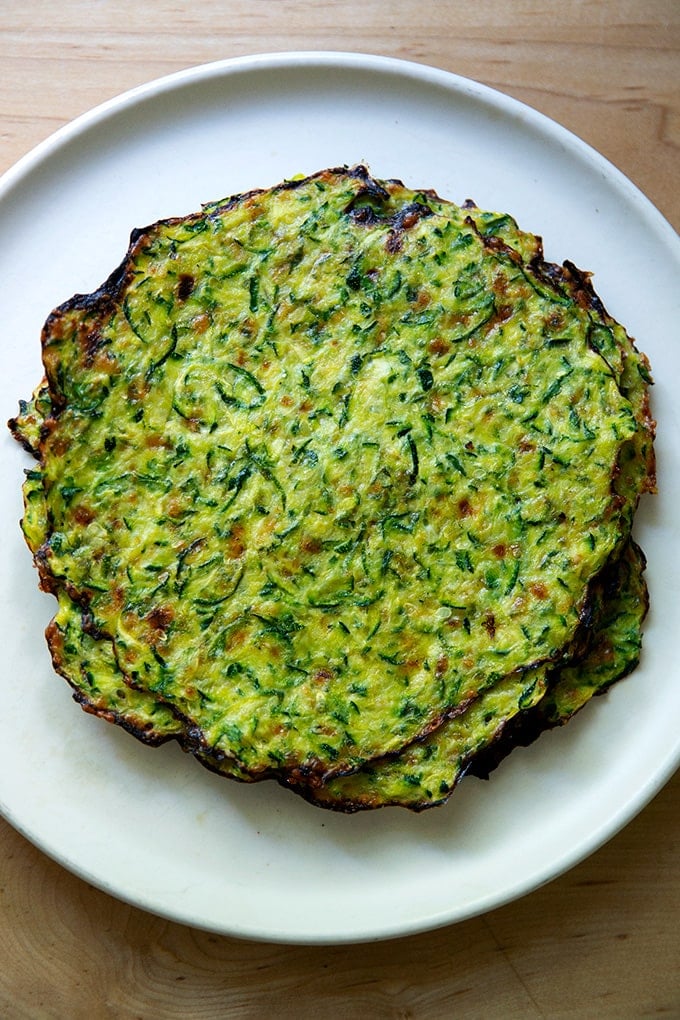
356	409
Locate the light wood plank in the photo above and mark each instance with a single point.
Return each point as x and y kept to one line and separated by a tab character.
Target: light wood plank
600	941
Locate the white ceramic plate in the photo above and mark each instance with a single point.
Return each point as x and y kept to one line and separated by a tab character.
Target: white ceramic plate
151	826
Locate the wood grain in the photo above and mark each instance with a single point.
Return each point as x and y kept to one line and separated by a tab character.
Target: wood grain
602	941
599	942
606	70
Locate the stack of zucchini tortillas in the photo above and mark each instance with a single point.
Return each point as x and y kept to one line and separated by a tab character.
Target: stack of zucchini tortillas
335	485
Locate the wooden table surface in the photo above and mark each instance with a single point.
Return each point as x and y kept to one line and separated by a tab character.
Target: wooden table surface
601	941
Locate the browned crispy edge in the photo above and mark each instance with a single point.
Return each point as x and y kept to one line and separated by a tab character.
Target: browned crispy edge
101	302
520	730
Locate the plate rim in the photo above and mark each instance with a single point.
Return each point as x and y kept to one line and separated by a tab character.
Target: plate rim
43	152
401	67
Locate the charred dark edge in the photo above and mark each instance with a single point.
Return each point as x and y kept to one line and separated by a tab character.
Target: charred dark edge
111	288
13	426
189	737
106	298
147	735
503	740
570	281
308	777
341	807
348	806
494	244
578	285
566	279
525	728
213	766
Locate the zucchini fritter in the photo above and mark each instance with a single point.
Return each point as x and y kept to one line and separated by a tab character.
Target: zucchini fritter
512	713
321	466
